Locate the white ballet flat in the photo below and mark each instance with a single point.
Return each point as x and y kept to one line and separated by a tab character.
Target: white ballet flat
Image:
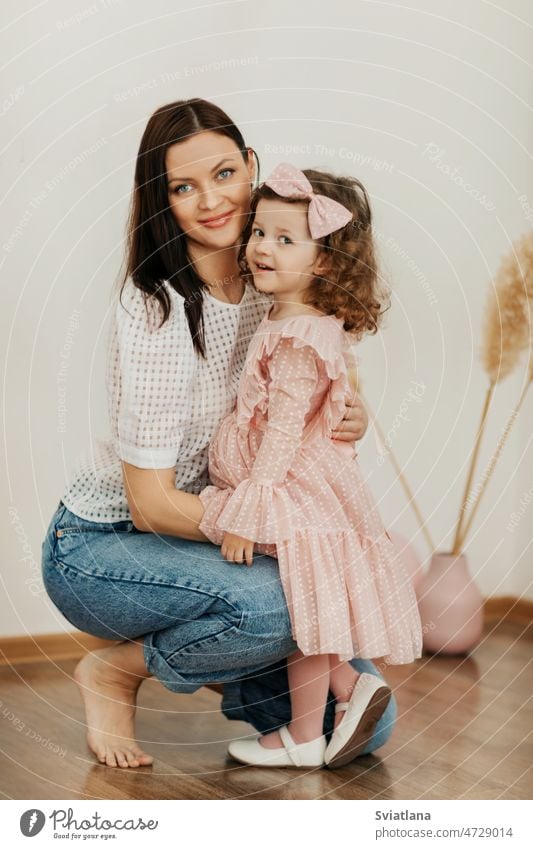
367	704
301	755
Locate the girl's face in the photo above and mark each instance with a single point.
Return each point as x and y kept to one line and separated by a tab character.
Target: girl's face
281	253
209	189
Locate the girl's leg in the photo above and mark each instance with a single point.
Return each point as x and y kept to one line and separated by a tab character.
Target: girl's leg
343	678
309	684
263	700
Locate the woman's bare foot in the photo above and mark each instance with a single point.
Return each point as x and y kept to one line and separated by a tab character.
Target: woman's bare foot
108	680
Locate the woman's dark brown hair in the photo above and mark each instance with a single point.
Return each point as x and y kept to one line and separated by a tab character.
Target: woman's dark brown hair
350	287
156	245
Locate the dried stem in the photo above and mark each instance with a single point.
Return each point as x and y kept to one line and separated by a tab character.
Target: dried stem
473	462
492	464
407	488
506	334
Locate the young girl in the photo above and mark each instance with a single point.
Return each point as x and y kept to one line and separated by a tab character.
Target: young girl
283	488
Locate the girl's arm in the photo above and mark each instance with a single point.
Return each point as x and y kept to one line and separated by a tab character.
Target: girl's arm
293	380
259	509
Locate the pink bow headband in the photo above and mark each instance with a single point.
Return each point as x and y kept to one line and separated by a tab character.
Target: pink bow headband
324	215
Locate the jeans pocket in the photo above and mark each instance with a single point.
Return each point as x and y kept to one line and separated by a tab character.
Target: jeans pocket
85	527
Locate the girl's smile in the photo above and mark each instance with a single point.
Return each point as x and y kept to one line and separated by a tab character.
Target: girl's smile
281	253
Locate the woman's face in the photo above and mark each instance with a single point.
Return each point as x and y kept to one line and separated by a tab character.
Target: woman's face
209	189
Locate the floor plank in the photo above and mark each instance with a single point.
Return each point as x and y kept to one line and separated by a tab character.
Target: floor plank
464	732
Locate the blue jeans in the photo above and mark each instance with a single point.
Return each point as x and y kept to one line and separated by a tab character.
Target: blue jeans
203	620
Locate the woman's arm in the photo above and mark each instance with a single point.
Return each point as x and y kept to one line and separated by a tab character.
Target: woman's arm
150	370
156	506
353	426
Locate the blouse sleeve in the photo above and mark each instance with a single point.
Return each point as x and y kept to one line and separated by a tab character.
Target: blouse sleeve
150	370
259	508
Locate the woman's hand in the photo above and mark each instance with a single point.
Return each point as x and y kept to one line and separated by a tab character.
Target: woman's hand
236	549
354	423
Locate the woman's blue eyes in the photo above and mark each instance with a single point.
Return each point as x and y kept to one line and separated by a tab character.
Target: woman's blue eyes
258	232
183	189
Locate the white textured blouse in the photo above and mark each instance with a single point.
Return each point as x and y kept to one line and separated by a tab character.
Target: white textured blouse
165	401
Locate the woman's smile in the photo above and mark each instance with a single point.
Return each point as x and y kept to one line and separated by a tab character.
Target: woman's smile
216	221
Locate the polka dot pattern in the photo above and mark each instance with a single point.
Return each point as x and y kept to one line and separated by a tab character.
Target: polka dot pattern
165	401
280	480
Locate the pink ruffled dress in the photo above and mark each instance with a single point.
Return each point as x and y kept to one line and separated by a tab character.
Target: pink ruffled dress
281	481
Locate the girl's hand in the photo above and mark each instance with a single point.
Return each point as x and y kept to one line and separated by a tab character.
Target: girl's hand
236	549
354	423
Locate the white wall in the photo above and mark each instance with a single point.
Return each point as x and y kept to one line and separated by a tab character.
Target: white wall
358	87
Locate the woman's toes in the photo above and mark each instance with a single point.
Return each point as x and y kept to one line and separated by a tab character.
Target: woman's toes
142	757
100	754
121	759
110	758
132	759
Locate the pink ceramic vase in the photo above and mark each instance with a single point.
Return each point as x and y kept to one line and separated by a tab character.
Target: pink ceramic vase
450	605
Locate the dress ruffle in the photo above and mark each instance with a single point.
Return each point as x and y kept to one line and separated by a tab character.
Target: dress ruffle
350	596
260	512
347	590
302	330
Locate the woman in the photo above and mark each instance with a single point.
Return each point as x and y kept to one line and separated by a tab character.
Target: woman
123	557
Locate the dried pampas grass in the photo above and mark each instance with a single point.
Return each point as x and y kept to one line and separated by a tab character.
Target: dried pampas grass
507	330
506	334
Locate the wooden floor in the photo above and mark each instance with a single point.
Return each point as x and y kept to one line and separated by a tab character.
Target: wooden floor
464	732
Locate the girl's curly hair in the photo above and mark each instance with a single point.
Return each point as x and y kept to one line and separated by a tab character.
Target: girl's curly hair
351	288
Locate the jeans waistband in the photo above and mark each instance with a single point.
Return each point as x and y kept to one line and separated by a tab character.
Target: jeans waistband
67	522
